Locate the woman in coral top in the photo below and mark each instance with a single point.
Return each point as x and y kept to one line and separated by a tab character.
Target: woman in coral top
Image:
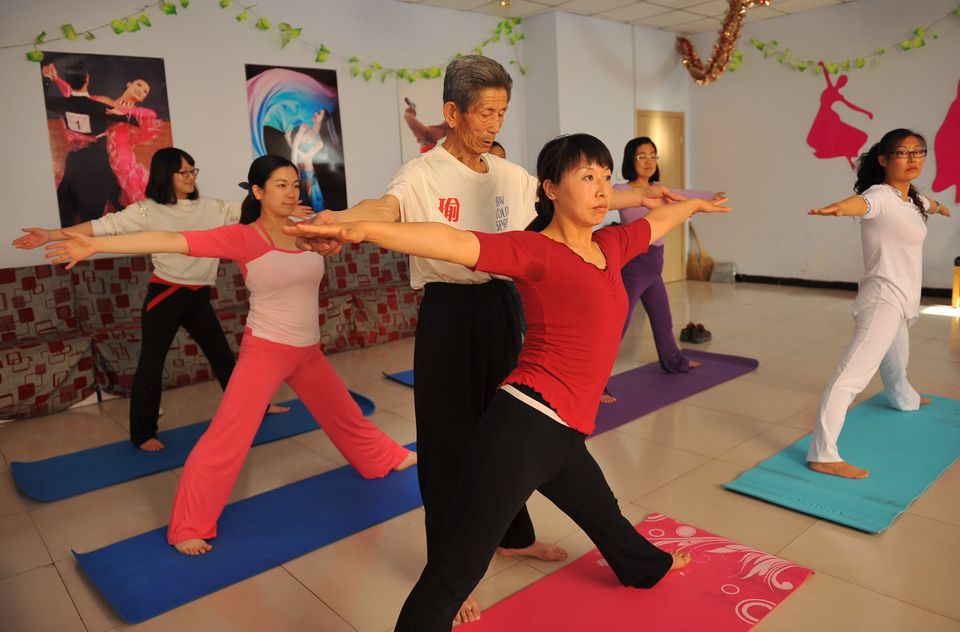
532	435
281	343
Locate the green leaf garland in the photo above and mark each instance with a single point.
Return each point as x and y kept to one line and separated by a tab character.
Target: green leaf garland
507	30
918	38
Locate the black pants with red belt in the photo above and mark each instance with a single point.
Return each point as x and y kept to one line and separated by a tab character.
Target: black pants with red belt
160	321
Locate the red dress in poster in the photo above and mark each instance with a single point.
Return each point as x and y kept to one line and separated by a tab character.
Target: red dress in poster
829	136
946	146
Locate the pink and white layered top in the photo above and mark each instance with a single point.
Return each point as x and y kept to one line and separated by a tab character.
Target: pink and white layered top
283	284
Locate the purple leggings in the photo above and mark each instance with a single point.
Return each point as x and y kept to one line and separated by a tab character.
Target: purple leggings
642	280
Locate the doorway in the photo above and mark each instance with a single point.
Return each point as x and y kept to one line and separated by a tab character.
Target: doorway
666	130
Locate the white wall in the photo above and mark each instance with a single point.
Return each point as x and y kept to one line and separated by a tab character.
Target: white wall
748	137
746	132
204	50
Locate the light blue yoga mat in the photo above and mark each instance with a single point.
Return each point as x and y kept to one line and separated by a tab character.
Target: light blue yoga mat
144	576
905	453
402	377
84	471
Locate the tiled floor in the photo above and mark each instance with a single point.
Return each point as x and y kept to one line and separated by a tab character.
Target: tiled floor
672	461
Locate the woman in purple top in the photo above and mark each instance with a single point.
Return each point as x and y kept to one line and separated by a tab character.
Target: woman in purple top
642	275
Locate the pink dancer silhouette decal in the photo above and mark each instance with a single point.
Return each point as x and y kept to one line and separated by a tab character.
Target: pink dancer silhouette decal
829	136
945	146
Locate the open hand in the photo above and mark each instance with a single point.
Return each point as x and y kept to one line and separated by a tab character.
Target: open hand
830	210
34	237
339	233
304	212
716	205
73	250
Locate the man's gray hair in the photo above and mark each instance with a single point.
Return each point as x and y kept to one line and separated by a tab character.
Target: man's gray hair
467	75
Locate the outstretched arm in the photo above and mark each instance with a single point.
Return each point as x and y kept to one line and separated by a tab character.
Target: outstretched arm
431	240
36	237
385	209
650	197
939	209
78	246
856	108
665	218
853	206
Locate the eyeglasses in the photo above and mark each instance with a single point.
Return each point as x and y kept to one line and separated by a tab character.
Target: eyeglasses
187	173
904	154
645	156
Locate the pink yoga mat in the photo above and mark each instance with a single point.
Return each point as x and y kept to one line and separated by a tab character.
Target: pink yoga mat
727	587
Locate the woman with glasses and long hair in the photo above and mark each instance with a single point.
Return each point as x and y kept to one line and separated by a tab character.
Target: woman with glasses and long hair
179	290
642	275
893	225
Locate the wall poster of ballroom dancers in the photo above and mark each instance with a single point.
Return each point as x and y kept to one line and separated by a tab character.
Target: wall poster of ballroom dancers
106	116
830	136
946	148
295	112
421	116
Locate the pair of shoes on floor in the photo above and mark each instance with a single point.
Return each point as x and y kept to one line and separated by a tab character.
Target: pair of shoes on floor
695	333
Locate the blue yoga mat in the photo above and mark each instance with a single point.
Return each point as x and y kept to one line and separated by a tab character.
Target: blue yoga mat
904	451
144	576
403	377
84	471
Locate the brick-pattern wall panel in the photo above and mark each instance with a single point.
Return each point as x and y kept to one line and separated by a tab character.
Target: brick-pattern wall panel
230	291
110	292
336	323
364	267
117	352
35	302
385	314
44	377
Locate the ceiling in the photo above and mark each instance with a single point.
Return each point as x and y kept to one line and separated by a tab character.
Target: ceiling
678	16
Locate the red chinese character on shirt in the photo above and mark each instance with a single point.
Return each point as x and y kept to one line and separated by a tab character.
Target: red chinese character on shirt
450	208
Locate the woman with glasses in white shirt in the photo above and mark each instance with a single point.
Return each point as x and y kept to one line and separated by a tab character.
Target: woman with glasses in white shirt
179	290
893	225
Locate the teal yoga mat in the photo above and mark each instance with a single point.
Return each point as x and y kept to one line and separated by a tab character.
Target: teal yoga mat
904	451
84	471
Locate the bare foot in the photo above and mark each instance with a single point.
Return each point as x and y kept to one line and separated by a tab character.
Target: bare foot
540	550
925	400
679	560
408	461
194	546
694	364
839	468
274	409
607	398
152	445
469	611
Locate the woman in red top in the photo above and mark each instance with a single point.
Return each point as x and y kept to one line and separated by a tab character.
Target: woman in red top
532	435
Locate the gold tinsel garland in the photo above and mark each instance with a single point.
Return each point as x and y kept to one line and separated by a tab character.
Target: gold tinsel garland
722	49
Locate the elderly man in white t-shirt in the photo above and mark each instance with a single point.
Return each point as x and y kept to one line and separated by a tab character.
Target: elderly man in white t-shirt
468	330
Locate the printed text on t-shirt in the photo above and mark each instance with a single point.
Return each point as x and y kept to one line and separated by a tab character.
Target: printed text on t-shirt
450	209
503	214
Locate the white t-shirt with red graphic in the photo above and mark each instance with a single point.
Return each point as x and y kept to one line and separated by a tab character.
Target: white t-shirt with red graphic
436	187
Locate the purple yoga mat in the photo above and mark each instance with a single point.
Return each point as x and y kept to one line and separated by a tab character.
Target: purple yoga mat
645	389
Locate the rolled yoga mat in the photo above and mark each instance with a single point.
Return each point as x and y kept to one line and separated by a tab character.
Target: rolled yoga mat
648	388
727	586
904	451
144	576
84	471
